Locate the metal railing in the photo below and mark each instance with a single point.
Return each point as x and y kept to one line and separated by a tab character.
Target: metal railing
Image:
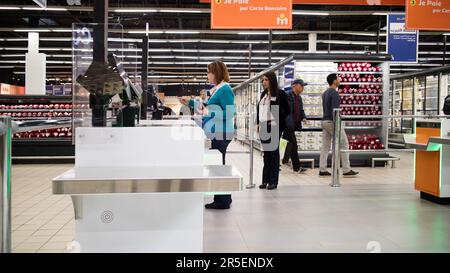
336	150
251	118
5	190
7	129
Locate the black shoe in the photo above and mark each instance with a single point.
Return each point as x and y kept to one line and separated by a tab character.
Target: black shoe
263	186
302	170
214	205
350	173
324	173
271	187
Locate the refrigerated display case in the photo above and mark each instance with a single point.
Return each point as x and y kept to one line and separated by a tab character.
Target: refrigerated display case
365	81
419	92
43	144
432	95
396	104
429	89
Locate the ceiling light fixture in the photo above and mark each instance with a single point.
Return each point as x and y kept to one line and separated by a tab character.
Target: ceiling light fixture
44	9
134	10
182	11
9	8
32	30
305	12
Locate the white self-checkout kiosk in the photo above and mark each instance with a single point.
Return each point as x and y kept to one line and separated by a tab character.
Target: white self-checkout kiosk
141	189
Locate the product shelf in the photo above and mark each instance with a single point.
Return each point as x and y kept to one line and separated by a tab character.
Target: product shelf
35	110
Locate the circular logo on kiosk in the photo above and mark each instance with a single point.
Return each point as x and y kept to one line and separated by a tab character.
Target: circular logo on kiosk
218	1
107	217
413	2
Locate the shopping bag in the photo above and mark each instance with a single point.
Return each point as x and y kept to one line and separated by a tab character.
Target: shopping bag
283	145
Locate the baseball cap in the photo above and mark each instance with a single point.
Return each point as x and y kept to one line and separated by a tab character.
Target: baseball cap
299	81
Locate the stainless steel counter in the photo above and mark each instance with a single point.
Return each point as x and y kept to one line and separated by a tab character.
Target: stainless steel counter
440	140
148	180
410	142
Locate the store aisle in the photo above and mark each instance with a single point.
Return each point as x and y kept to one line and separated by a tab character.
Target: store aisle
402	174
304	214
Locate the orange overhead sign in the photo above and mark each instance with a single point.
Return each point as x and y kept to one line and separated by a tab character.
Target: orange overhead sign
343	2
7	89
251	14
428	14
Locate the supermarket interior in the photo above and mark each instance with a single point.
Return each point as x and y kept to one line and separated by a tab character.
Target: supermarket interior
224	126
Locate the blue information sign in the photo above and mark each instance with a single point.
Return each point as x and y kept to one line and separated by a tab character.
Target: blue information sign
289	70
401	43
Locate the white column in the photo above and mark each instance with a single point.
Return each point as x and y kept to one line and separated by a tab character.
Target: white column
312	42
35	67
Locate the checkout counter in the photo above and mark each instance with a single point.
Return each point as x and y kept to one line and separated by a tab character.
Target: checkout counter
141	189
432	159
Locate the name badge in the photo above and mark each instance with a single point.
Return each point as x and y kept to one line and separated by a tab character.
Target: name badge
273	99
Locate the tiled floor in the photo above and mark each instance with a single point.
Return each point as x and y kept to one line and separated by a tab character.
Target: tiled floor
379	208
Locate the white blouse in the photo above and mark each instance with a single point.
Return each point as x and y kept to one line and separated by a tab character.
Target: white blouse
265	114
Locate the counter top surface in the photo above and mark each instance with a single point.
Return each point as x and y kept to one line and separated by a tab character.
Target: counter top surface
214	178
410	141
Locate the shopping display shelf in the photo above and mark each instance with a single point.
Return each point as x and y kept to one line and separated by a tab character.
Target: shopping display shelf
361	105
38	118
50	139
345	127
42	151
365	94
361	73
314	69
39	147
360	83
35	110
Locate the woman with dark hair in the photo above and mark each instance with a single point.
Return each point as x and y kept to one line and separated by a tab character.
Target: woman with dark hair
272	110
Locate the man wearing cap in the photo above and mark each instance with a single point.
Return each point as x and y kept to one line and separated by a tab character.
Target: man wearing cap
294	123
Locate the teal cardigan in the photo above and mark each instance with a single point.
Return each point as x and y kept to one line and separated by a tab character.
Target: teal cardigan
221	112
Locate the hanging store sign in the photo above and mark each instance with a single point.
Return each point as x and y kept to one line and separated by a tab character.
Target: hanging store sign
352	2
428	14
251	14
401	43
289	70
343	2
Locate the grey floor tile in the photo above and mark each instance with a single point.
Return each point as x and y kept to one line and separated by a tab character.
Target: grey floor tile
220	240
303	215
279	239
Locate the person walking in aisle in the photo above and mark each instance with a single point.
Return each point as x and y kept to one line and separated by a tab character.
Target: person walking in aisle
272	110
294	123
331	100
218	119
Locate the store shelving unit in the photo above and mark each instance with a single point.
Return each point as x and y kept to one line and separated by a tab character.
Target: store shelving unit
44	144
313	69
418	93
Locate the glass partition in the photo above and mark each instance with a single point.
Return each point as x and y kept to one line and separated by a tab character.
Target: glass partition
93	82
